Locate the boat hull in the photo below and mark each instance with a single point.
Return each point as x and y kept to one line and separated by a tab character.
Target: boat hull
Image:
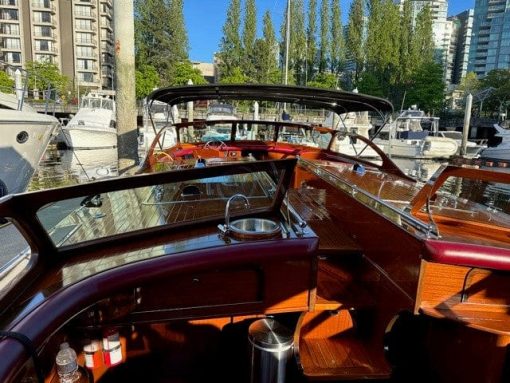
89	138
24	141
500	152
430	147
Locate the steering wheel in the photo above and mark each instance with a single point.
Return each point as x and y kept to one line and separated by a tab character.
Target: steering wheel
221	146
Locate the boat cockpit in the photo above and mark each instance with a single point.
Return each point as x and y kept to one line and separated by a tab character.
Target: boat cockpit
170	275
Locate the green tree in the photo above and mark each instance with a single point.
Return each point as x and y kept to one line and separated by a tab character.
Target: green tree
373	45
146	80
6	83
406	66
337	38
184	72
422	47
153	38
266	67
311	44
499	100
369	83
469	83
324	46
382	47
178	33
236	77
355	41
427	88
230	47
248	38
325	80
46	75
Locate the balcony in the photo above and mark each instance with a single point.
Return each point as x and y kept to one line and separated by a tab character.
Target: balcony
47	50
8	16
51	36
87	2
88	68
108	36
81	28
109	2
9	3
44	20
87	15
86	55
49	6
106	25
5	30
86	41
107	14
11	47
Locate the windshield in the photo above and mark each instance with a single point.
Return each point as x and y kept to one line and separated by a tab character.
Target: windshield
191	199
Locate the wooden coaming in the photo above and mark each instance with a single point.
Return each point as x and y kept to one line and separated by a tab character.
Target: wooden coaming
477	298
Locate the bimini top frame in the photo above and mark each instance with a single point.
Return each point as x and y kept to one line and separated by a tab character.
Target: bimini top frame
337	101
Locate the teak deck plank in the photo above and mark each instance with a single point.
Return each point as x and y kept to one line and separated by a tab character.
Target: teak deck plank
313	206
330	348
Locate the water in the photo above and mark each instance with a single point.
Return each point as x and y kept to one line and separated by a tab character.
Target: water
70	167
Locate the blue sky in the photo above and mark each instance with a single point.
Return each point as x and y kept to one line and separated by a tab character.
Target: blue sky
205	18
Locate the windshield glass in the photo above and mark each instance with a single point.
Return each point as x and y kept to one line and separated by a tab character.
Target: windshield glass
101	215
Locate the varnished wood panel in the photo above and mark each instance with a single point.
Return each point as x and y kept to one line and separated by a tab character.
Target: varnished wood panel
475	297
220	287
329	348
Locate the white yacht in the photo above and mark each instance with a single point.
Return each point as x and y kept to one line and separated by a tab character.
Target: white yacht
473	149
502	150
408	136
157	117
25	136
94	126
352	123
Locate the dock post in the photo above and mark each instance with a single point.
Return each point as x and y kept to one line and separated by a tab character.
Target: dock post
125	84
467	122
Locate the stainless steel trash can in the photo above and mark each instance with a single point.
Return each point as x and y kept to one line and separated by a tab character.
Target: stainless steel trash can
270	349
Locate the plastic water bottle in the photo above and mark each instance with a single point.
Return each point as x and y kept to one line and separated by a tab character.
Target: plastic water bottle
67	365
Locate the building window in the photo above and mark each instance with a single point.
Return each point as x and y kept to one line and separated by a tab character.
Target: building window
85	64
84	51
43	58
43	31
84	24
86	77
41	3
85	38
12	43
10	29
13	57
82	10
42	45
42	17
9	14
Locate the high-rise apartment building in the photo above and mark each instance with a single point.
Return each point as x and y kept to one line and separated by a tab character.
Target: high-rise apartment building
76	35
461	43
490	43
441	28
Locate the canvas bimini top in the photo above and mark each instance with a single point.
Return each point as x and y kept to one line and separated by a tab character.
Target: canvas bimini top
338	101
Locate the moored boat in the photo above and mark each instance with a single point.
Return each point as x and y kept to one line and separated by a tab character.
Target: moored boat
25	137
407	137
501	151
94	125
385	277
